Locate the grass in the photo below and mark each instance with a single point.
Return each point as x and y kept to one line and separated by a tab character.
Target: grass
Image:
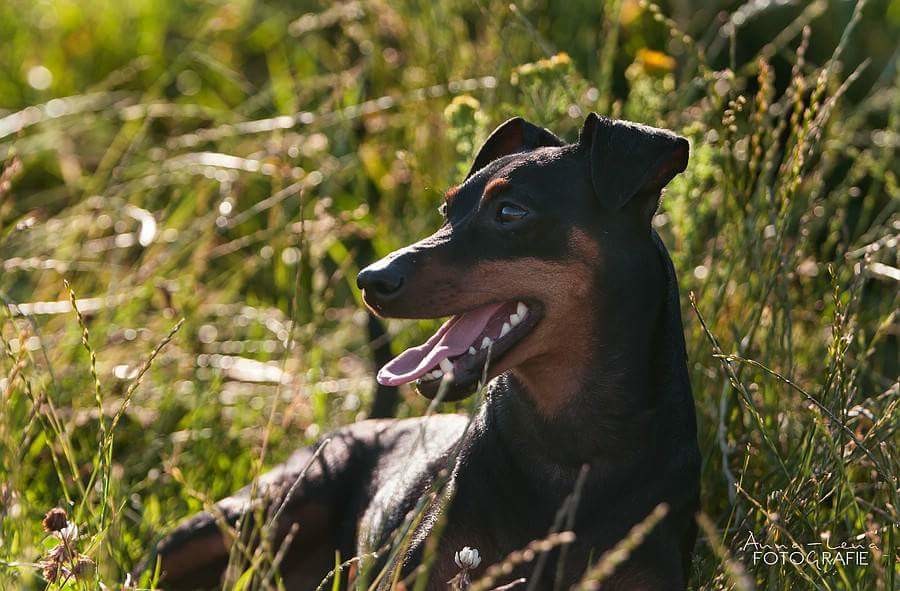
188	190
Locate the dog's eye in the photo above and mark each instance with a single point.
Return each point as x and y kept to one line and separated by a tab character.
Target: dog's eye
509	212
443	210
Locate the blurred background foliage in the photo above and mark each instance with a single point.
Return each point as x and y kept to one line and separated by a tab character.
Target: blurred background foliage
235	163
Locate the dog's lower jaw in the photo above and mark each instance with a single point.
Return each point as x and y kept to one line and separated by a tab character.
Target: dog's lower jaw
482	363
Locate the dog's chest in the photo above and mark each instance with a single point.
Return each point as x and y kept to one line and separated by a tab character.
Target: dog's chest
486	511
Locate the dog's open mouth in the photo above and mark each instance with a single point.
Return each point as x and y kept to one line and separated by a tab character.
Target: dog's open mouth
456	354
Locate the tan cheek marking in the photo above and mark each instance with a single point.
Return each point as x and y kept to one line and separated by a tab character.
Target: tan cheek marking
552	361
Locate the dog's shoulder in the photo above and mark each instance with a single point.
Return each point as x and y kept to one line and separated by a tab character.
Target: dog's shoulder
409	456
412	436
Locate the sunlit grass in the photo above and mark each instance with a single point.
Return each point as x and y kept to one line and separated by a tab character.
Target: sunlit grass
234	166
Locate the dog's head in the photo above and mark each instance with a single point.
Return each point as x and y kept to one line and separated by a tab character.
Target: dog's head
539	239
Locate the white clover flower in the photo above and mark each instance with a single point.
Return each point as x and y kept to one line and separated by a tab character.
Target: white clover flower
467	558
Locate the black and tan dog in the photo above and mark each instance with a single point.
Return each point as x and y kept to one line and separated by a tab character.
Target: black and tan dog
554	278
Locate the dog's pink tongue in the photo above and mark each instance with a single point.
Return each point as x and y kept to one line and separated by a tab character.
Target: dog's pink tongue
453	338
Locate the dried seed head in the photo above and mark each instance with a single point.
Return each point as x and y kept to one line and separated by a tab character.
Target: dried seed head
59	554
51	570
84	568
55	520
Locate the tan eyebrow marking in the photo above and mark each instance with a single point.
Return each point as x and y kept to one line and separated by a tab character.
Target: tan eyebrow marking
450	194
493	187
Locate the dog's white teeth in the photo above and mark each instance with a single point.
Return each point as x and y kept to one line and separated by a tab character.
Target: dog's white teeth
521	310
446	365
471	350
514	320
504	329
486	342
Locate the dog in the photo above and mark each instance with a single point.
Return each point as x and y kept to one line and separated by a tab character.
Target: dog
564	301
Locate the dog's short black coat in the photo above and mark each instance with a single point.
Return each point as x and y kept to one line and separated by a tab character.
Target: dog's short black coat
600	381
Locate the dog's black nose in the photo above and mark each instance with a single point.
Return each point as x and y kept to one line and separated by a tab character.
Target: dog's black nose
382	282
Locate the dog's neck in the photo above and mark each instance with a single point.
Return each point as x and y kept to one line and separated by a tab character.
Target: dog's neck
604	411
610	410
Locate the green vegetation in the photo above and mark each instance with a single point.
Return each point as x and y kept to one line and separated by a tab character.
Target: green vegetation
233	164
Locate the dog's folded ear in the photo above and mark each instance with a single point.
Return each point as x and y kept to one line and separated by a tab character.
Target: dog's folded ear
628	160
515	135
